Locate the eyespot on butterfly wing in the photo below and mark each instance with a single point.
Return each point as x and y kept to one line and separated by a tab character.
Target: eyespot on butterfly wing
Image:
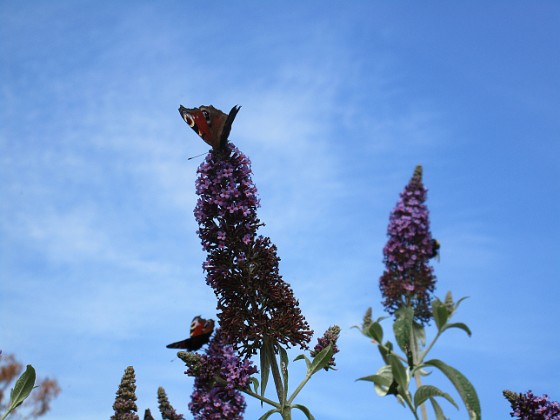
211	124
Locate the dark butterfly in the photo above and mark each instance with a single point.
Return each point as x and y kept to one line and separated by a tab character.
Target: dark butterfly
201	330
211	124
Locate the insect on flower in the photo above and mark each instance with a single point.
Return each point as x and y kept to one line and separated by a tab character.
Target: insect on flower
211	124
201	330
435	249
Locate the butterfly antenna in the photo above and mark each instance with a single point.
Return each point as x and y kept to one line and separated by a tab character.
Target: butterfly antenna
202	154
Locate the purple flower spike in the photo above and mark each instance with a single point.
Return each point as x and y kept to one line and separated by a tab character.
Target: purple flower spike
408	280
220	400
330	337
530	407
242	268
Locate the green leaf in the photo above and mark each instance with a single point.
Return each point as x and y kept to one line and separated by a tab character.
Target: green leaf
269	413
419	333
321	360
265	369
305	411
437	410
23	387
382	380
402	328
428	391
304	357
459	325
255	383
284	369
462	385
440	313
399	371
375	332
459	302
385	351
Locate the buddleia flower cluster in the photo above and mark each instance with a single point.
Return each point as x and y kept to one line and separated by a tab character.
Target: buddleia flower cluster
125	403
408	279
219	374
330	337
531	407
254	302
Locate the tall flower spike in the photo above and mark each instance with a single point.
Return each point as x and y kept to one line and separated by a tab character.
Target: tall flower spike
212	399
242	268
408	280
125	404
165	408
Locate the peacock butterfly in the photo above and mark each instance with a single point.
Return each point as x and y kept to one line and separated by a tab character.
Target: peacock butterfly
201	330
211	124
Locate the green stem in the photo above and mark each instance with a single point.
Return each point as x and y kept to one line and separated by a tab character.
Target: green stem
425	352
257	396
417	359
299	388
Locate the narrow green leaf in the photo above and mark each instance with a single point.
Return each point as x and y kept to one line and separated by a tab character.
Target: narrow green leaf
459	301
437	410
462	385
321	360
269	413
305	411
284	369
428	391
265	370
459	325
255	383
23	387
304	357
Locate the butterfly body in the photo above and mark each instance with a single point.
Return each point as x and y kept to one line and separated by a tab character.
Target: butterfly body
211	124
201	330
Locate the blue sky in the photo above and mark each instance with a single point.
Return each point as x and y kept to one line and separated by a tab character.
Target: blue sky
100	266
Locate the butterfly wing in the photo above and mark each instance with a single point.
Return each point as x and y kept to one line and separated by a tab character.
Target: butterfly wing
211	124
201	330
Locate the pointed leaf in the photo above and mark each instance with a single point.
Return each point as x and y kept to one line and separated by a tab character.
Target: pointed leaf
437	410
384	352
462	385
440	313
382	380
402	328
255	383
375	332
305	411
304	357
23	387
428	391
265	370
459	325
399	371
269	413
459	302
321	360
284	369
